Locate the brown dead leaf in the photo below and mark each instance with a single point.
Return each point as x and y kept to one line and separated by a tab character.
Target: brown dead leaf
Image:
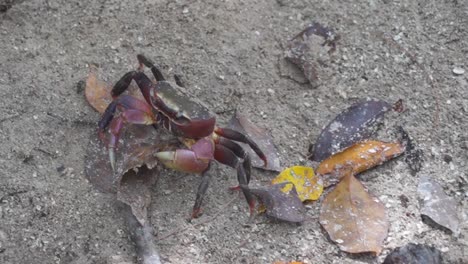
359	157
98	92
279	205
354	219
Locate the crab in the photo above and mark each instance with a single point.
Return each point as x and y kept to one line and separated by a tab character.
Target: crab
166	105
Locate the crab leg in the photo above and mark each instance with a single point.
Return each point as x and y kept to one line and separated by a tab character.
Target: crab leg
194	160
237	136
202	188
240	152
148	63
227	157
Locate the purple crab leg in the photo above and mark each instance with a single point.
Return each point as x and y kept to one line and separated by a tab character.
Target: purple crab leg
148	63
237	136
227	157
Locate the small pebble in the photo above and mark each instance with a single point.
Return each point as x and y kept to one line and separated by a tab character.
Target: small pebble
185	10
458	71
271	91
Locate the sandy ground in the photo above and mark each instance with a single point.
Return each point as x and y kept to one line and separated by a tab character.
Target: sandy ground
228	53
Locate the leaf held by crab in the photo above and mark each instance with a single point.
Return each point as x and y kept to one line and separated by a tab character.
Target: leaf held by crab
308	186
357	123
279	205
98	92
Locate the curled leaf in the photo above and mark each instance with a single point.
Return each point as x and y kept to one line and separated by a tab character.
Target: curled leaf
354	219
436	205
279	205
355	124
359	157
308	186
311	54
260	136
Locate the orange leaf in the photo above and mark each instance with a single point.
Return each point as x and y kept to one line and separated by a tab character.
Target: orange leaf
354	219
359	157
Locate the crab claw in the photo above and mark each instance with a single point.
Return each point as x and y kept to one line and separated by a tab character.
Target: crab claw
183	160
112	158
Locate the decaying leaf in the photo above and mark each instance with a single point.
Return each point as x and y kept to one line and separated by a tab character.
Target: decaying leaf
354	219
436	205
260	136
135	149
308	186
98	93
414	254
311	54
135	191
357	123
359	157
279	205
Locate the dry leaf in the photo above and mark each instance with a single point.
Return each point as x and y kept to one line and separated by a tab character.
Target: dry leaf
355	220
282	206
436	205
308	186
359	157
310	53
98	93
241	123
357	123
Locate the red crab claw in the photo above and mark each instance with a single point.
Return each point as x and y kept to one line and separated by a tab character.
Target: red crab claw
133	111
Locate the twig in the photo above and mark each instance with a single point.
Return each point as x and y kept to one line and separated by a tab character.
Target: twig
10	117
142	237
181	230
12	194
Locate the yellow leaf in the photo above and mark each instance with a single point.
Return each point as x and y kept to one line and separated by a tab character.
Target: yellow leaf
308	186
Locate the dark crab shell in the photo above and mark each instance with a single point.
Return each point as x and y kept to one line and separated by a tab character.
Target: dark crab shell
187	117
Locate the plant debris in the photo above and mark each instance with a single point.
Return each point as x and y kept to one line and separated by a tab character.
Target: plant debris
414	254
279	205
413	155
241	123
356	123
98	92
436	205
359	157
308	186
354	219
310	54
